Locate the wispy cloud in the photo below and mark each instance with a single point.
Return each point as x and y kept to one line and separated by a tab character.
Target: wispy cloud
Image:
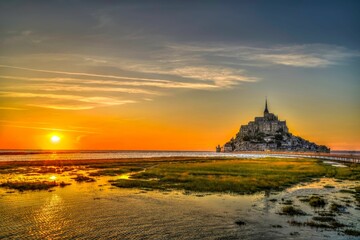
12	108
312	55
221	77
84	74
164	84
307	55
94	101
67	106
53	87
49	129
295	60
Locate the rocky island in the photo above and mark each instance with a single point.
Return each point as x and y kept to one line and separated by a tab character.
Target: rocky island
268	133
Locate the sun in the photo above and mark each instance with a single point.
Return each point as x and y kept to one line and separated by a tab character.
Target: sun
55	139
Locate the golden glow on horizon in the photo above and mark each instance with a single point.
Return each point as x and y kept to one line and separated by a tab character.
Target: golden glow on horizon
164	132
158	125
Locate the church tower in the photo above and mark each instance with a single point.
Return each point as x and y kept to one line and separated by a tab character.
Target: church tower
266	111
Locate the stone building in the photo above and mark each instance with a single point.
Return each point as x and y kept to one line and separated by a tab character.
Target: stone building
268	124
268	133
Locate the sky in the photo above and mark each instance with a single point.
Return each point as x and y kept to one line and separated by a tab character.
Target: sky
176	75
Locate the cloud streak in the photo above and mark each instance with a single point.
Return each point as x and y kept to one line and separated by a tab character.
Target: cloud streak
307	55
48	129
94	101
12	108
53	87
167	84
84	74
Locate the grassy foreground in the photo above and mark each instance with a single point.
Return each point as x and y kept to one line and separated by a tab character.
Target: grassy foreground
236	176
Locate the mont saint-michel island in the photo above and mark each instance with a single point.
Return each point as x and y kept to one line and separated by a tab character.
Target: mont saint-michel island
268	133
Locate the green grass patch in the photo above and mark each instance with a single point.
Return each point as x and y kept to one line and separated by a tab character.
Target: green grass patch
136	184
116	171
237	175
29	186
292	211
81	178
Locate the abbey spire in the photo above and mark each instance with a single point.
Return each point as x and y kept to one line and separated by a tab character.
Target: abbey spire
266	107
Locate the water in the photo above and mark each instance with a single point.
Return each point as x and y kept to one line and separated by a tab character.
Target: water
82	155
335	164
99	211
38	155
343	152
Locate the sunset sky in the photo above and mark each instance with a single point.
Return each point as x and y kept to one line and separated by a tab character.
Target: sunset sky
176	75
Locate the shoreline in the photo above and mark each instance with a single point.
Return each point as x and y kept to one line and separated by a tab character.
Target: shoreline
83	160
75	162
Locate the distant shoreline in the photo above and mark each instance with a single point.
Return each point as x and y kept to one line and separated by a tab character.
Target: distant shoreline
76	158
49	151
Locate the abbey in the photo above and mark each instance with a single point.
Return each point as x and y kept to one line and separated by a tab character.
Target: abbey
268	133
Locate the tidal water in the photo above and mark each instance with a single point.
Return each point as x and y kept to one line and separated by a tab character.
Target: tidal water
36	155
86	155
98	210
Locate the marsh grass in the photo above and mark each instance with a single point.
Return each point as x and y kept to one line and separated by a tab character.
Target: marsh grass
81	178
288	202
316	201
197	174
292	211
235	175
337	208
326	214
346	191
318	222
324	219
330	225
26	186
136	184
352	232
116	171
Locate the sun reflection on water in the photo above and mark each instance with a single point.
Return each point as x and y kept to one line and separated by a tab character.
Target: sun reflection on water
48	218
53	156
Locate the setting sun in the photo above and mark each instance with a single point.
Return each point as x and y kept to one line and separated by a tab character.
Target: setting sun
55	139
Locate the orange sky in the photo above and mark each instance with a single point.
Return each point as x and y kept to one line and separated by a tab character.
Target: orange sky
185	128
